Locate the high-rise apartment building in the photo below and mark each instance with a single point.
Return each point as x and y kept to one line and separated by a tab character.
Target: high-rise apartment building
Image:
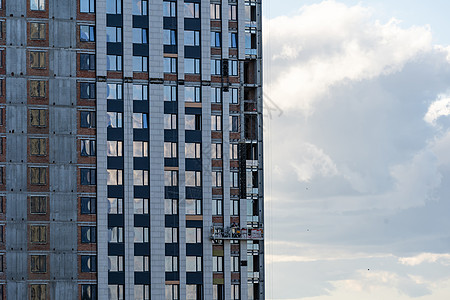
131	150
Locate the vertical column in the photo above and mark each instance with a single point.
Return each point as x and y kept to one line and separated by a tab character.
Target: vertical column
206	140
102	192
16	153
128	146
156	147
241	29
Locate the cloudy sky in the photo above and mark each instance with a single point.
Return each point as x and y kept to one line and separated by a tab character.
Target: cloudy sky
357	149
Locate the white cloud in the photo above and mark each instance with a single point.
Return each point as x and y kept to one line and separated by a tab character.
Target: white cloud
313	162
329	43
426	258
439	108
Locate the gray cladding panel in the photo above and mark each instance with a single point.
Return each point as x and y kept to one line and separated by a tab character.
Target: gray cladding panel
16	118
62	33
16	8
62	149
16	290
63	290
16	60
63	178
62	120
16	177
62	91
16	90
16	32
62	62
16	238
64	208
16	209
63	9
63	266
16	150
63	236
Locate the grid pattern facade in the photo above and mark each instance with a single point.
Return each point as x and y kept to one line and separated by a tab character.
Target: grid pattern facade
131	150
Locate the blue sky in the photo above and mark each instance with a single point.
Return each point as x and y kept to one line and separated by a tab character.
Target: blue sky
357	143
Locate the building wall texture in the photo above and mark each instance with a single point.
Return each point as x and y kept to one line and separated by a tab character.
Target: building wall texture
131	162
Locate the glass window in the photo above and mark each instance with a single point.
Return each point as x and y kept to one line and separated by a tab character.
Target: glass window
140	149
140	63
140	206
38	147
216	178
38	291
114	148
38	176
216	122
170	121
217	205
216	67
193	206
38	234
141	264
169	9
88	291
114	91
193	235
37	31
171	206
38	60
140	177
88	205
215	11
170	178
234	177
233	151
38	117
170	150
38	263
191	10
87	6
141	234
38	204
193	150
115	177
87	90
233	39
216	95
115	206
88	234
114	63
218	264
192	94
171	235
140	92
234	96
191	38
140	35
192	66
140	120
170	93
114	119
193	122
37	88
171	264
115	292
114	34
232	12
115	235
87	33
88	263
193	178
169	37
87	147
216	39
113	6
88	176
115	263
233	68
172	292
170	65
191	292
216	151
234	123
140	7
193	264
37	4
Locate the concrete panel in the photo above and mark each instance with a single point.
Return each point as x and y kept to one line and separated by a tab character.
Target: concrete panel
64	290
16	240
62	62
16	90
62	34
16	8
16	32
16	150
16	119
63	178
16	210
16	290
63	9
62	92
62	149
63	266
63	237
62	120
63	207
16	61
16	177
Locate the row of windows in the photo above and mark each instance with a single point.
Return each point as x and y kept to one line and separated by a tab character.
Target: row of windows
194	207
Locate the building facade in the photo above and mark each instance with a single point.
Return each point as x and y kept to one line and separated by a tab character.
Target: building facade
131	158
